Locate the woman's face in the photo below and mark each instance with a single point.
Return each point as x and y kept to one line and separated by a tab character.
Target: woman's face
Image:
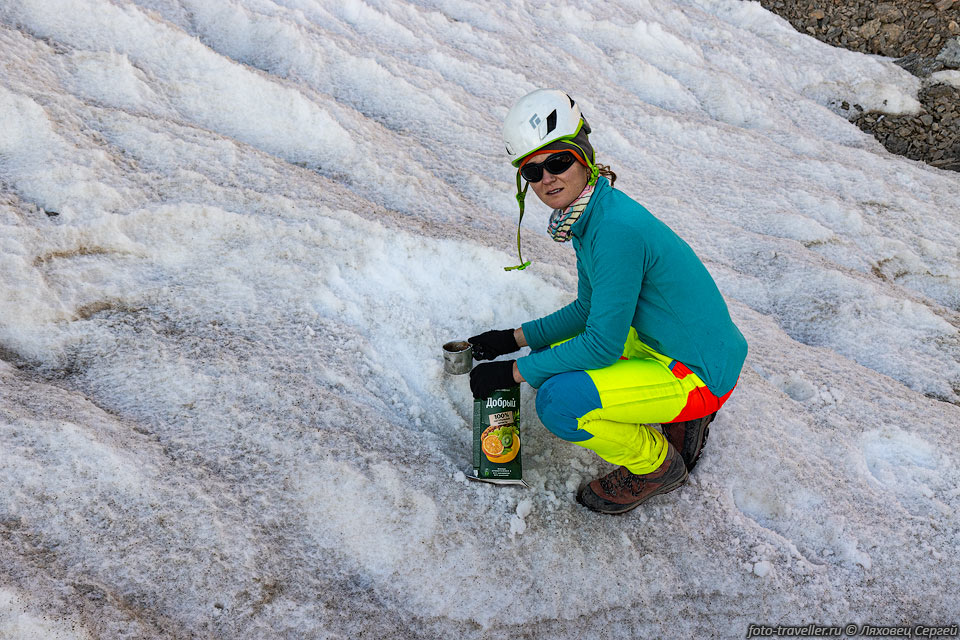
559	192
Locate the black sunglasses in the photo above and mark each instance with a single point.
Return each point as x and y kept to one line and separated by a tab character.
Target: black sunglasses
555	163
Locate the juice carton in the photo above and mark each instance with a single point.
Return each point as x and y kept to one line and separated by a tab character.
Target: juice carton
496	438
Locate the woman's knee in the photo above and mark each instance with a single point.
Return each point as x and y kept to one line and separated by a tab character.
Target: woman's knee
563	399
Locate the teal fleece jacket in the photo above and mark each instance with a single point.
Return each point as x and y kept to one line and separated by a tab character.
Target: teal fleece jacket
633	270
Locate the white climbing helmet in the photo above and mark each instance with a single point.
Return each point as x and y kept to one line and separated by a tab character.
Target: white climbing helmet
539	118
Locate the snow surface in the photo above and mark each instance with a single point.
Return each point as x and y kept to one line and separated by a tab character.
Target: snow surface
951	77
234	235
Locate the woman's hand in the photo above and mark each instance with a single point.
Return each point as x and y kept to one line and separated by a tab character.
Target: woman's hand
488	377
493	344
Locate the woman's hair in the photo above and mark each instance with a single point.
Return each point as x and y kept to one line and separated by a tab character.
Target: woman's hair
607	173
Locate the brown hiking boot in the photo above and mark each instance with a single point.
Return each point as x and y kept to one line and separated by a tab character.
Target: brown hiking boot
619	491
689	437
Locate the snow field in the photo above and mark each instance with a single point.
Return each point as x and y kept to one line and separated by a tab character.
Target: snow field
223	410
17	622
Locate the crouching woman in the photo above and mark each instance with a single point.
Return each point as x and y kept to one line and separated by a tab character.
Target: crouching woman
648	339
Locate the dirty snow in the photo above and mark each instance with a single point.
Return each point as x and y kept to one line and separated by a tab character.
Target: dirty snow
234	235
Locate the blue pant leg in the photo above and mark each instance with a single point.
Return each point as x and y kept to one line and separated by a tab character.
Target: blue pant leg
563	399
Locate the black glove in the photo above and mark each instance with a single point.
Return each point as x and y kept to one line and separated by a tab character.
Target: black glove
491	376
492	344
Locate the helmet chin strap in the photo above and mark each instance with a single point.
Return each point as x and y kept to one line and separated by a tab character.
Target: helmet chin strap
521	195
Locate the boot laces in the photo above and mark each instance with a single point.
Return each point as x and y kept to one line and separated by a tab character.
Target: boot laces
612	483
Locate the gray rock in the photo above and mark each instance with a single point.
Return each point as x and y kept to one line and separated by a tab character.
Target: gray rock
918	65
950	54
891	32
888	13
870	29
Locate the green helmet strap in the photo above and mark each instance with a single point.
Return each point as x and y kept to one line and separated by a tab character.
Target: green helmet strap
594	169
521	194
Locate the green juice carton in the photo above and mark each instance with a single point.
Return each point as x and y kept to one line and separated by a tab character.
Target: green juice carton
496	438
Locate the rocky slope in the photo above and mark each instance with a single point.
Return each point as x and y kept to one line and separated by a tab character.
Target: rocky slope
924	37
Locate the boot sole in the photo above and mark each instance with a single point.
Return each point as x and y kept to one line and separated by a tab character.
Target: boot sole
618	509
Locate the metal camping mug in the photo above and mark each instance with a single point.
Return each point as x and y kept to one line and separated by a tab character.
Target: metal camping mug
457	357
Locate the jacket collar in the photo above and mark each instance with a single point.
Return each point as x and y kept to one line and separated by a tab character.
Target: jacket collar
580	226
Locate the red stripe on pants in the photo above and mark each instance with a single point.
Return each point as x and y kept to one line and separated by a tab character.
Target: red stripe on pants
701	401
